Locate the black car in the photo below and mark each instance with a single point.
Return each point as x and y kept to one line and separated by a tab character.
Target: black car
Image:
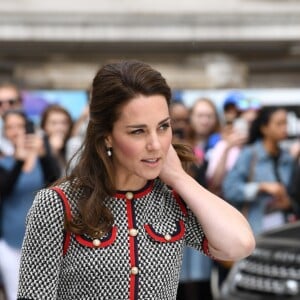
271	272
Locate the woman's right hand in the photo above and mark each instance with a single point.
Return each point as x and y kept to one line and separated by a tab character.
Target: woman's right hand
28	145
235	139
20	148
279	194
275	189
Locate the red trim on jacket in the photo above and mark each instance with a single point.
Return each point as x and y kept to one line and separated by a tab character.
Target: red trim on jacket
180	202
162	238
104	242
206	248
68	214
133	285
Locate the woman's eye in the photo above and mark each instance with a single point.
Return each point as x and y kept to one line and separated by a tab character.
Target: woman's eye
137	131
165	126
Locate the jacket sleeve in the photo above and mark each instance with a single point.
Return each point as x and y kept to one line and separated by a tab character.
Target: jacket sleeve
195	236
8	178
236	185
42	249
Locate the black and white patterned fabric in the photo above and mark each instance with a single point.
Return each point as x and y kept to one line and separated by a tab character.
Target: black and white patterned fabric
140	259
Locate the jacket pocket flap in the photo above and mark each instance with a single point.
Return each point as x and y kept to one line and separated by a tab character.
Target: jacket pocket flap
103	242
166	237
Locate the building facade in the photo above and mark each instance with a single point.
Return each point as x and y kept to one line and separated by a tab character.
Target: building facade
196	44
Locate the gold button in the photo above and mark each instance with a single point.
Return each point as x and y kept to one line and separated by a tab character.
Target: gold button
134	271
133	232
129	195
96	242
168	237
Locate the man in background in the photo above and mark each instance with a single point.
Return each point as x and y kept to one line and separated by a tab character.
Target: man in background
10	98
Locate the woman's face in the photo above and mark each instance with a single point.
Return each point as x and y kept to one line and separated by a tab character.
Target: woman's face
203	119
140	140
57	123
276	129
180	121
9	99
14	127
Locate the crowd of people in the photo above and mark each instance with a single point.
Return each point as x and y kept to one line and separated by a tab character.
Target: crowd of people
237	157
242	157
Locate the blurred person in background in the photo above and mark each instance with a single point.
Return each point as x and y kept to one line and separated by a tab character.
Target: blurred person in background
30	168
258	182
196	268
180	118
10	98
230	106
56	123
194	277
74	143
234	136
205	129
223	156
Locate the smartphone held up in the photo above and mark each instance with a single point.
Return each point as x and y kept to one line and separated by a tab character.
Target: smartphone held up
29	127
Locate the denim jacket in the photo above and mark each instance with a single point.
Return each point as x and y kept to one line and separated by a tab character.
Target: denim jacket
241	184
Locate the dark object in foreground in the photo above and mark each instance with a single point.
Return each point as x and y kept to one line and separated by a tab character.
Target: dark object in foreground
271	272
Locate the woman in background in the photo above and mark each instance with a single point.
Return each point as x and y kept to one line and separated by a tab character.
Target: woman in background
57	123
196	268
30	168
258	182
205	127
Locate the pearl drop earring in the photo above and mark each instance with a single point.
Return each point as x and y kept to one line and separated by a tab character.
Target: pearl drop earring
108	151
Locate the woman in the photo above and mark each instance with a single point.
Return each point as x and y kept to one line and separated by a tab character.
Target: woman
57	123
125	226
234	136
10	98
29	169
194	281
205	126
257	184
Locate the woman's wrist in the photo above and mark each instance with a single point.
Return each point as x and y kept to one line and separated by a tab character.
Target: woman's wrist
262	187
180	181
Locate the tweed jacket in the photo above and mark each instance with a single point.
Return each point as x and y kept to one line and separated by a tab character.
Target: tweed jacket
139	259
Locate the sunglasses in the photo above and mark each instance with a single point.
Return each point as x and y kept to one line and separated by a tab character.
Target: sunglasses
11	102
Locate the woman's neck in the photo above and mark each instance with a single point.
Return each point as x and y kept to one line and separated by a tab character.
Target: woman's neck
131	183
271	146
200	140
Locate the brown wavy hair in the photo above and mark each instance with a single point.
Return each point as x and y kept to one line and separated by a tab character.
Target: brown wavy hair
113	86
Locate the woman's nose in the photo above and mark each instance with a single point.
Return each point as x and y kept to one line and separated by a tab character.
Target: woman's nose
153	142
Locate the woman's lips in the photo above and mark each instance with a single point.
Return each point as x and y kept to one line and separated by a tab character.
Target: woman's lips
151	161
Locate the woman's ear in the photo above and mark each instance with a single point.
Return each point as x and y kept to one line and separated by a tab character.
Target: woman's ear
107	140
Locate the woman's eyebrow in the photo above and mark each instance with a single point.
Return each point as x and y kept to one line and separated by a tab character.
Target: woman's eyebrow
144	125
164	120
